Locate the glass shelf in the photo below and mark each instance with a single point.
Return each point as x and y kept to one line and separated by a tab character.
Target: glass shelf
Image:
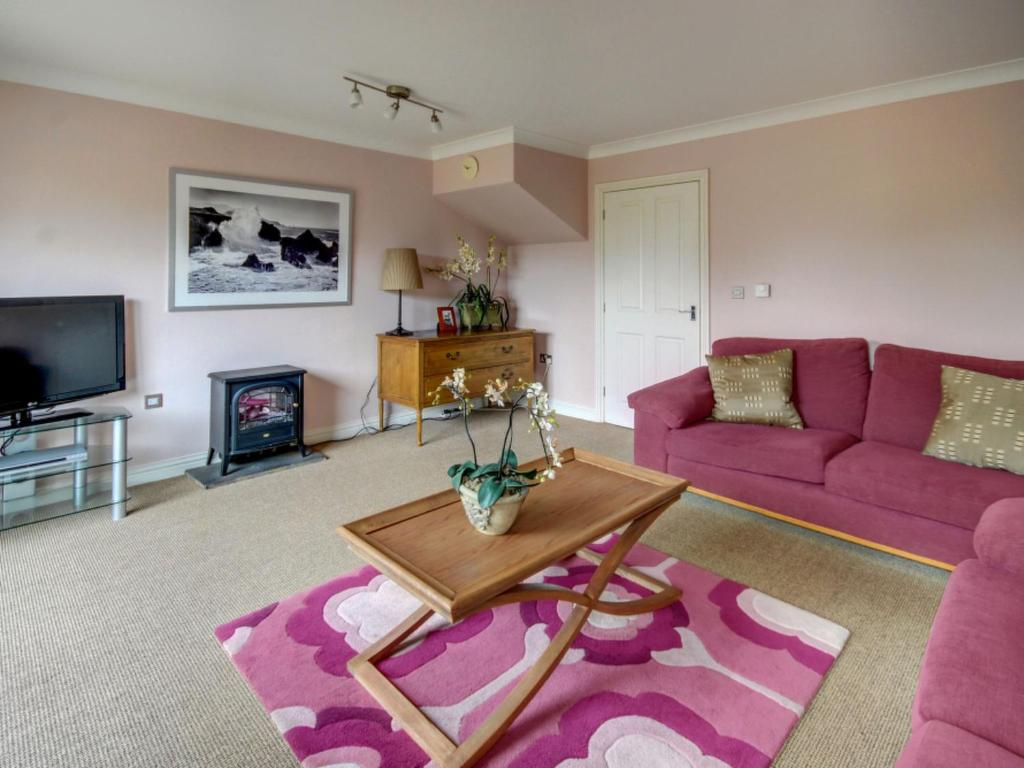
52	503
95	416
98	456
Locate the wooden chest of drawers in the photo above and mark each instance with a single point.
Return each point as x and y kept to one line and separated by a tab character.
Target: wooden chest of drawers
409	368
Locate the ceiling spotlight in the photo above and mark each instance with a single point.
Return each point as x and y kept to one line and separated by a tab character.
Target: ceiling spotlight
398	94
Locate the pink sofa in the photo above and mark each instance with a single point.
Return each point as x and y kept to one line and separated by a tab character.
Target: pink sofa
969	709
857	467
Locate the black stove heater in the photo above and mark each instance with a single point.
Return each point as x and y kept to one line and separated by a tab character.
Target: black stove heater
255	410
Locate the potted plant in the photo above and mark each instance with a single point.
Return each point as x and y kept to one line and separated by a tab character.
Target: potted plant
478	306
493	493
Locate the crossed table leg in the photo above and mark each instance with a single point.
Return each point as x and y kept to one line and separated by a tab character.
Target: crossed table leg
443	750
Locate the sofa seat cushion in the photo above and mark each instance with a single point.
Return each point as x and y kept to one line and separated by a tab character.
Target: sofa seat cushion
795	454
973	671
941	745
901	478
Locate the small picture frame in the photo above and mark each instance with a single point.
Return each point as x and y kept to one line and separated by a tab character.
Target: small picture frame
447	320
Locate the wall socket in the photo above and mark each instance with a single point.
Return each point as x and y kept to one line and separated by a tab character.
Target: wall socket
737	292
154	401
545	358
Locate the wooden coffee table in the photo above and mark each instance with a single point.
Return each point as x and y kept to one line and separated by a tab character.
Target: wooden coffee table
430	549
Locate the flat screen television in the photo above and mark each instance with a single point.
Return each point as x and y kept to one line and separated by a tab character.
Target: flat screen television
58	349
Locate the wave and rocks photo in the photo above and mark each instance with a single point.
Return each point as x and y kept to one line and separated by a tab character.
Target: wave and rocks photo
241	242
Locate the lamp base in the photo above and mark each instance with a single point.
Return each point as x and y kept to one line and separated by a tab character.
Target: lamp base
399	331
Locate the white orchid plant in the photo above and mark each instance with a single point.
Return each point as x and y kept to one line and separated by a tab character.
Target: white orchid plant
504	476
466	265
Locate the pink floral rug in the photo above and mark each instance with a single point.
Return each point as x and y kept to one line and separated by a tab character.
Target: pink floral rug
717	679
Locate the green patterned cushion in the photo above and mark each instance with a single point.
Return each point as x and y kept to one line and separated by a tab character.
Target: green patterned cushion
754	389
980	421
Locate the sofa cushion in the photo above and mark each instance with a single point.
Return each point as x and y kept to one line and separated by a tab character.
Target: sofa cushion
906	390
980	421
904	479
797	454
973	671
830	377
941	745
754	389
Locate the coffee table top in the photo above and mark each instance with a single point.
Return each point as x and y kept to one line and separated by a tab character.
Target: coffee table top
430	548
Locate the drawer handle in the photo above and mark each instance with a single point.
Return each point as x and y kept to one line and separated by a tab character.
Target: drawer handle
507	348
452	355
507	375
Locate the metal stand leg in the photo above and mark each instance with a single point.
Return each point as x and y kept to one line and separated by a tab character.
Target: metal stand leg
224	464
209	457
80	483
119	487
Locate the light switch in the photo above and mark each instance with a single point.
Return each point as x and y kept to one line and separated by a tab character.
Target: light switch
762	290
737	292
155	401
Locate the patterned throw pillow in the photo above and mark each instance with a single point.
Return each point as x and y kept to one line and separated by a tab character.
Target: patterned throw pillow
754	389
980	421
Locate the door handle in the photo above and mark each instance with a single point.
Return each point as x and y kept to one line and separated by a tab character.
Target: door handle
692	311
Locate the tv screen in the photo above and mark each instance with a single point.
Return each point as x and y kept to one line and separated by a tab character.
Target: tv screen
54	350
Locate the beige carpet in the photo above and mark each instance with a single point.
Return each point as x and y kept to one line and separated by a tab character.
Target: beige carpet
107	656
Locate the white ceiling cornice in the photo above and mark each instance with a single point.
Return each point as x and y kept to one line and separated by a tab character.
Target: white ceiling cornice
993	74
130	93
510	135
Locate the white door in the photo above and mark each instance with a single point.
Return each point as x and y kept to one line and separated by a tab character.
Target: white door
652	290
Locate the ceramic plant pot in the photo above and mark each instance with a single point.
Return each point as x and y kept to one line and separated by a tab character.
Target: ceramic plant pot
496	519
470	315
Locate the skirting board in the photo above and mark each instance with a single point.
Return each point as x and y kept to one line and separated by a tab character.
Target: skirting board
174	467
827	531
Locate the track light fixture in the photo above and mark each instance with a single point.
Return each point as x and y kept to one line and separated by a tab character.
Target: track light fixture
399	93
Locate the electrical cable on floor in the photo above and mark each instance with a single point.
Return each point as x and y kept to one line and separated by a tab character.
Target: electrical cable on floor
367	429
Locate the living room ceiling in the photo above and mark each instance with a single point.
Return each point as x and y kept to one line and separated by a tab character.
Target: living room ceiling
584	71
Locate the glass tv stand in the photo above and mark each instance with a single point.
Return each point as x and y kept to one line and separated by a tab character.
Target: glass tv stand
42	487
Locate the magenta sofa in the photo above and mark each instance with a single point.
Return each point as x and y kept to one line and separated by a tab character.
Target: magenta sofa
857	467
969	709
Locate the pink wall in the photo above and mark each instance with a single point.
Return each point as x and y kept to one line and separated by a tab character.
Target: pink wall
497	166
558	181
901	223
84	209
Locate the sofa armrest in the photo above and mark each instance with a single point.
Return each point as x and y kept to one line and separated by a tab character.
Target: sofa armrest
677	402
999	537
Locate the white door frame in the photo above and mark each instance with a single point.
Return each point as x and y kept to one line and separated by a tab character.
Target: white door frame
705	283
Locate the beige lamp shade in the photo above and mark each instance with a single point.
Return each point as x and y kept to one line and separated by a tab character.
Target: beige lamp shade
401	270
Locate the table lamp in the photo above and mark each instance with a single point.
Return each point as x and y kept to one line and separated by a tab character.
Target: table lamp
401	272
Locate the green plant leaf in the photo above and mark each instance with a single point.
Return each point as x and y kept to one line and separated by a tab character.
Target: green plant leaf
490	491
486	469
511	459
528	474
460	472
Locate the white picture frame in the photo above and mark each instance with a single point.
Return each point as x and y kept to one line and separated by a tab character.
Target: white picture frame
242	243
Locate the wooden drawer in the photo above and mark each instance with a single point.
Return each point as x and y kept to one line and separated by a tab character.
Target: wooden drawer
479	377
464	353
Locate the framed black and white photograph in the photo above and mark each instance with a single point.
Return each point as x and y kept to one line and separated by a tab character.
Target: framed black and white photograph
240	243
